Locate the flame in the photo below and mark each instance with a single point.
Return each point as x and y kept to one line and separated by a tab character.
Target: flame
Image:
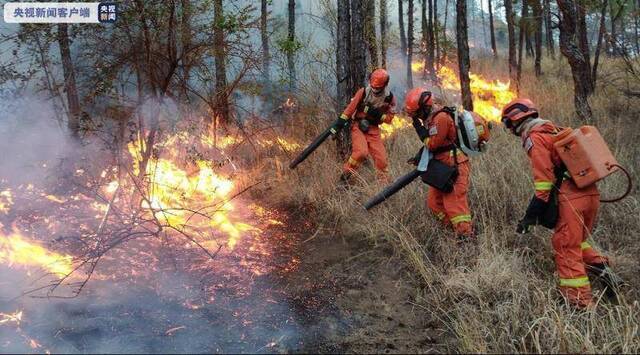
417	67
15	249
15	317
6	201
398	123
488	96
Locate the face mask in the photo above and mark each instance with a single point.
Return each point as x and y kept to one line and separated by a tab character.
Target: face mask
377	90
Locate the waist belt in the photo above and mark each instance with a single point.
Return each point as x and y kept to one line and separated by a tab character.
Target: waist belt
446	148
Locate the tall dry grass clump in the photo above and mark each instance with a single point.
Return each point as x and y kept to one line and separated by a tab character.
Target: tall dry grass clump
499	295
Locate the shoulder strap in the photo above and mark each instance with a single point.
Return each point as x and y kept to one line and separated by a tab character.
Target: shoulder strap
389	98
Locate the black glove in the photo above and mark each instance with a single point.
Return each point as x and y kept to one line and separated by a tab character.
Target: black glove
338	125
374	115
415	160
421	130
536	209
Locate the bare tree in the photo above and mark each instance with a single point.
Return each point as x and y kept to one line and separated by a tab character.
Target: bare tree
494	48
463	54
70	87
583	42
264	12
601	32
291	38
383	33
571	50
431	43
403	37
222	103
548	28
343	70
358	45
537	14
409	44
370	32
521	37
436	30
513	63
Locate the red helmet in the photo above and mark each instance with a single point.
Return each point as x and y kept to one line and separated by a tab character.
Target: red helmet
417	99
379	78
516	111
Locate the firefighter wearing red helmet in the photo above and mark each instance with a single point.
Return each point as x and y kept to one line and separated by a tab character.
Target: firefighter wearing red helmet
438	132
559	204
369	107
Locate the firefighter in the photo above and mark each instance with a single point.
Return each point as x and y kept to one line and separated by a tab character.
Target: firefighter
369	107
439	136
576	208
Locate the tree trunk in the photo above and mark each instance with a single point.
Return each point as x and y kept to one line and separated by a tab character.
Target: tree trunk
383	33
436	36
69	81
484	27
264	12
521	37
291	38
601	32
222	104
403	37
463	54
370	32
513	63
430	42
409	44
583	42
537	13
549	29
185	39
359	46
636	21
612	36
343	71
494	48
571	50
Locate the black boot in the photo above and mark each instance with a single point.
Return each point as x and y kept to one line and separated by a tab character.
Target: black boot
611	281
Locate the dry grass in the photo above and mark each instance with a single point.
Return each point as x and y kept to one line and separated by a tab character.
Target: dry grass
500	295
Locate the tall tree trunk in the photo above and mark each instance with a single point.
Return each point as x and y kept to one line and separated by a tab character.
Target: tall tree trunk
358	44
636	22
409	44
571	50
549	29
219	52
425	37
583	42
463	54
185	40
494	48
613	38
370	32
523	29
403	37
291	38
69	81
436	31
430	42
601	32
513	62
537	13
529	43
383	33
484	26
443	59
343	71
264	12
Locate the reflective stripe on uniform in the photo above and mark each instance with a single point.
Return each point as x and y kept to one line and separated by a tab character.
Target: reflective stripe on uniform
353	162
459	152
543	185
426	141
585	245
581	281
344	117
440	215
461	218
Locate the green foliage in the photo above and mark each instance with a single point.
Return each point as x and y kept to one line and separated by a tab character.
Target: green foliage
288	46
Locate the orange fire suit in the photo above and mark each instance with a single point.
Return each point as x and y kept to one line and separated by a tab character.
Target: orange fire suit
451	208
576	216
363	144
